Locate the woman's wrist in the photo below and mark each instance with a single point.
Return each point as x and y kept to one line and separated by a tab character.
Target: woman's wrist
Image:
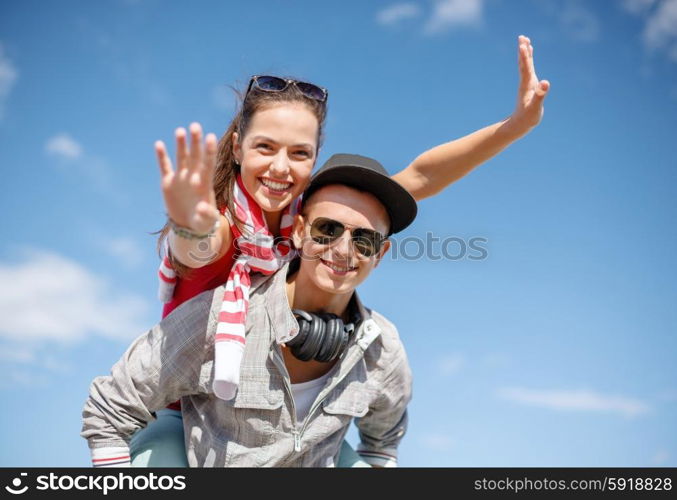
189	234
195	253
515	127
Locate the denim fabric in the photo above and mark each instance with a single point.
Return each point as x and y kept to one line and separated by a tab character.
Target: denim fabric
161	444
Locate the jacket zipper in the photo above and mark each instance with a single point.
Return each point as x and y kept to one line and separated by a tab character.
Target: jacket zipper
298	435
297	440
287	384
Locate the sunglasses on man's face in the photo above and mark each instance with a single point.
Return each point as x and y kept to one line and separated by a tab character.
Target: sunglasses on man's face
367	242
277	84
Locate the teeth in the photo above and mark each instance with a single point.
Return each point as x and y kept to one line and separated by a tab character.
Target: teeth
337	268
278	186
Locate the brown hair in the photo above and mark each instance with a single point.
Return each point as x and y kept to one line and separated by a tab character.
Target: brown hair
227	167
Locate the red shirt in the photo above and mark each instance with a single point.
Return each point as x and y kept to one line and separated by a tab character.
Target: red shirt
200	280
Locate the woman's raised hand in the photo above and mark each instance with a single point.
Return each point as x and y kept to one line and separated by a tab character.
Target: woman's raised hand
529	109
189	191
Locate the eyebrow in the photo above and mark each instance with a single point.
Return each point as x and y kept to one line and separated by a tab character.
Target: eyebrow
269	139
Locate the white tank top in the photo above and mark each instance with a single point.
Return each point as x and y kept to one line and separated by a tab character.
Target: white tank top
305	394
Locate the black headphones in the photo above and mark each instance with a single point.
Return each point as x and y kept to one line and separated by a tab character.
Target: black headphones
322	337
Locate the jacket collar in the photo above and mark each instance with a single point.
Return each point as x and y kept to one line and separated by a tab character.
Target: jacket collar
261	386
284	324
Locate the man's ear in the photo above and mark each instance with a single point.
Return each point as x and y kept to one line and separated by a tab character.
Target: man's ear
297	231
384	249
237	148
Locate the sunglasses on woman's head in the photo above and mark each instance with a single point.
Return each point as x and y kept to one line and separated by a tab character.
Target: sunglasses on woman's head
277	84
367	242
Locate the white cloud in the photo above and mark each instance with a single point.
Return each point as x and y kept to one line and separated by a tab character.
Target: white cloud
94	171
48	297
660	27
438	442
450	365
637	6
125	250
448	14
25	378
64	146
396	13
55	365
574	400
30	364
580	23
16	354
8	77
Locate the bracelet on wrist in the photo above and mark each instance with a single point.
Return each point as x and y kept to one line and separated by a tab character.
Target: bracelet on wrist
189	234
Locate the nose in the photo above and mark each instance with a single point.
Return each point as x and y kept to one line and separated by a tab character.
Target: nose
343	246
279	165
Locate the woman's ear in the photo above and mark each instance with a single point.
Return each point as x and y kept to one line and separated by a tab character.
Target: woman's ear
297	231
237	148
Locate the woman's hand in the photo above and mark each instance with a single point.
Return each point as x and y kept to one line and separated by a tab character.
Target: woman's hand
529	108
435	169
189	191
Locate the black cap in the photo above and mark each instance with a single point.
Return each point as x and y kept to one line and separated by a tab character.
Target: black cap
366	174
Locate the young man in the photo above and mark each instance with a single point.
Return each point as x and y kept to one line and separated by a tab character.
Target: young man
295	402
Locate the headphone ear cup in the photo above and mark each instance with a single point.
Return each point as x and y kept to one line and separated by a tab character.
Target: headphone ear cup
304	321
333	327
322	337
342	341
309	349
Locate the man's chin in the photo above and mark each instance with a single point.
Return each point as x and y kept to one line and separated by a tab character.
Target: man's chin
335	284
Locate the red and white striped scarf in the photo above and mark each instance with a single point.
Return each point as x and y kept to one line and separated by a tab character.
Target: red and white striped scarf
259	251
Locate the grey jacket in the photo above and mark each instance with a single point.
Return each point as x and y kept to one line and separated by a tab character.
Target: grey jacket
258	428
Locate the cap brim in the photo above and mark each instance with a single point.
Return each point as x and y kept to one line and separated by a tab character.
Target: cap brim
398	202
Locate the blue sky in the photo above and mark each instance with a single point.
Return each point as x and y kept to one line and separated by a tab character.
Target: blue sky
558	349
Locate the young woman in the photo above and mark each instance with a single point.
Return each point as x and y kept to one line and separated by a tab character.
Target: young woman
264	159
